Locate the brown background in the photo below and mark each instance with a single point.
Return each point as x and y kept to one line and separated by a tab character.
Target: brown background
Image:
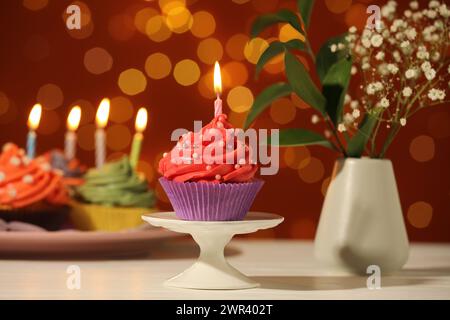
37	49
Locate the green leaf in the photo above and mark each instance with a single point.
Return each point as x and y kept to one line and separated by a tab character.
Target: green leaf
358	142
301	137
302	84
265	98
276	48
325	58
267	20
334	88
305	8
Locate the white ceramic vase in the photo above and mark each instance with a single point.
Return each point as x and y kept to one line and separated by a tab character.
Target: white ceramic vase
361	223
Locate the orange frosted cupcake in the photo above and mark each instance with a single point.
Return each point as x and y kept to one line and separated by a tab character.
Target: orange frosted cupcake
30	190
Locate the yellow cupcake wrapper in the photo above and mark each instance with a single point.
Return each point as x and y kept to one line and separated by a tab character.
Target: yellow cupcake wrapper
91	217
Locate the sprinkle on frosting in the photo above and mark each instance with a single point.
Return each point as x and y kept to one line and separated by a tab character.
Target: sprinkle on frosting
28	179
15	161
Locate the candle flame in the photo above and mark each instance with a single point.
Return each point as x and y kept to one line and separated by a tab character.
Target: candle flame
73	120
141	120
217	79
35	117
103	113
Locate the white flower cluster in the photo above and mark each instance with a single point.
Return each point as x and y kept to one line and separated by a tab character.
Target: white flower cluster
404	64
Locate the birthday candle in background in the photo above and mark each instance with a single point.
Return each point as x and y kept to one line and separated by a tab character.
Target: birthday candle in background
73	120
100	137
33	123
140	125
217	90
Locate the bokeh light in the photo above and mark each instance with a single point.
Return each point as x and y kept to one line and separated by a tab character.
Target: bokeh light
203	25
209	50
97	60
205	85
158	65
356	16
118	137
179	19
157	29
313	171
422	148
168	5
141	18
132	81
234	74
240	99
235	46
35	5
296	157
254	48
186	72
282	111
420	214
121	109
50	96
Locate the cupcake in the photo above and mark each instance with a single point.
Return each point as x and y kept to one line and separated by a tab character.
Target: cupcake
203	185
112	198
30	191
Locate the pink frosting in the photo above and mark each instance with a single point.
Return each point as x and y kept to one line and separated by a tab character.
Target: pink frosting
210	167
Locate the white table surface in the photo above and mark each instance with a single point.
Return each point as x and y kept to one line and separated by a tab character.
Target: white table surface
285	268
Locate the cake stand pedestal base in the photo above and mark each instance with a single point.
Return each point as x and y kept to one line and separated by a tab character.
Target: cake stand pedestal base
211	270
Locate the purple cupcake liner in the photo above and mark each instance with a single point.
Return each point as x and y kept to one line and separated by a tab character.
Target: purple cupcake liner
203	201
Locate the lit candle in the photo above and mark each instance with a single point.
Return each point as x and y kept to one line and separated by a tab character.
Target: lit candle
73	120
217	90
33	123
100	137
140	125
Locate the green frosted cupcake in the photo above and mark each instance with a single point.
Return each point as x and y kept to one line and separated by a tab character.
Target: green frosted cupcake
112	198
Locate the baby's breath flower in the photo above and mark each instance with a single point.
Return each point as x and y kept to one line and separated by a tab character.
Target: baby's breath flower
414	5
403	122
425	66
430	74
341	127
384	102
407	92
411	33
356	113
436	94
376	40
404	44
410	73
348	118
354	104
352	29
392	68
354	70
365	42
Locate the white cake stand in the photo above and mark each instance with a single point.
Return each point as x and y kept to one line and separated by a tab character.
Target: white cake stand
211	270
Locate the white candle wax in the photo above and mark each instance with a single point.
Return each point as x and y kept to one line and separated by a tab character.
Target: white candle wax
70	145
100	147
